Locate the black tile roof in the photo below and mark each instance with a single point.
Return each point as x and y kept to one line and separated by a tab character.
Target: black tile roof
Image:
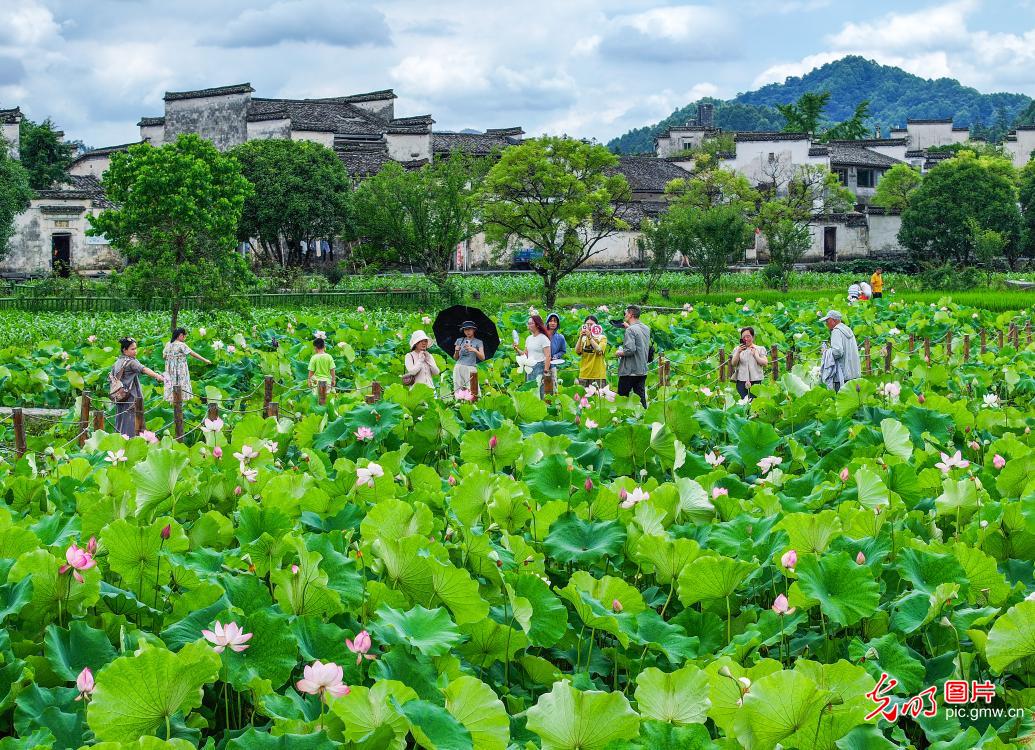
915	153
322	115
10	116
1024	127
77	187
146	122
515	131
648	174
370	96
866	142
851	219
104	151
845	155
240	88
960	130
363	158
882	211
476	144
769	136
634	212
818	151
419	125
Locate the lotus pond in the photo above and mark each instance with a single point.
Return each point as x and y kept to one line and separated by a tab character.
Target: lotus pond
809	570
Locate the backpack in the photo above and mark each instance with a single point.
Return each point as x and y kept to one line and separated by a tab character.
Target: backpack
116	390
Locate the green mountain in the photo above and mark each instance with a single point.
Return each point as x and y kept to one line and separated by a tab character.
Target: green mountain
894	96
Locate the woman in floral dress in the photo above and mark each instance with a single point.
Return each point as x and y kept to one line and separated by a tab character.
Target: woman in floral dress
176	372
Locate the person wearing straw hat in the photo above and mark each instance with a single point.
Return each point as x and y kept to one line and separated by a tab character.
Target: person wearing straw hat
468	352
841	356
420	365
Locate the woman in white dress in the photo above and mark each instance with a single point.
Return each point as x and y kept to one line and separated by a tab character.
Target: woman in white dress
537	350
176	370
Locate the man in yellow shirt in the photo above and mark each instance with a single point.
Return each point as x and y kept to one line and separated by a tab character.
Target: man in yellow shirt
877	282
591	346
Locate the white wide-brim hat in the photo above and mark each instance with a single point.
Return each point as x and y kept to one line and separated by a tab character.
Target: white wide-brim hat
416	337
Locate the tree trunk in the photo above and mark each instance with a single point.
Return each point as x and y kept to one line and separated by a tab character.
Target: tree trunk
175	314
550	290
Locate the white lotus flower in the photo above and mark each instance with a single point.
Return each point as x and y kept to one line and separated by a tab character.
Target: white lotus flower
367	474
949	462
991	400
713	458
635	497
768	463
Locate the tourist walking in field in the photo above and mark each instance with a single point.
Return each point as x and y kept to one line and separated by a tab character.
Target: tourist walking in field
634	353
748	360
468	352
176	371
420	365
841	356
537	351
592	347
854	292
558	344
124	386
877	282
321	366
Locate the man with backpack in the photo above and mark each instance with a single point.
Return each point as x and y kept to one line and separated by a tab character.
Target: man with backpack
634	354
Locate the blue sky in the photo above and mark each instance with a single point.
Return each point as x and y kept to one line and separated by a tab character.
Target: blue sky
591	68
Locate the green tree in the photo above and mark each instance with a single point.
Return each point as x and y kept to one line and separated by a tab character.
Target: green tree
420	216
301	194
804	115
1027	199
988	245
43	154
852	129
559	195
15	195
175	214
895	187
936	225
711	237
657	251
787	238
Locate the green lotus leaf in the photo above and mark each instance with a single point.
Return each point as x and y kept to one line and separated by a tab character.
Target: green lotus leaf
155	477
542	615
649	629
480	711
272	652
430	631
927	570
845	591
305	592
455	588
872	491
666	556
53	709
488	642
694	505
712	577
433	727
570	719
918	421
1012	637
553	479
14	597
846	685
866	737
810	532
474	447
69	651
138	695
15	540
959	497
396	519
1017	479
147	743
594	599
53	592
756	440
253	739
987	584
134	551
897	441
679	697
574	540
887	654
365	711
777	707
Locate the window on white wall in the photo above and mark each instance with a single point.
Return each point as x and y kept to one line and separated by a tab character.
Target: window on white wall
867	178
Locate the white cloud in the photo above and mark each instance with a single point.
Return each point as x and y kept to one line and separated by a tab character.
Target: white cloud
671	33
26	23
323	21
937	27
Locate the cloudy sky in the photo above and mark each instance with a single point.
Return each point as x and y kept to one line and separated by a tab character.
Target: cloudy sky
585	67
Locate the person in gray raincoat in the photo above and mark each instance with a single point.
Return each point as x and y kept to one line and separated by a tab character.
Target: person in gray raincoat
841	356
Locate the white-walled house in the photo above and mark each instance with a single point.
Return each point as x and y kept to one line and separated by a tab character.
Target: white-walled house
1020	145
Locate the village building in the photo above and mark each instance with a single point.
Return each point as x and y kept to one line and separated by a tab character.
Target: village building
362	129
1020	145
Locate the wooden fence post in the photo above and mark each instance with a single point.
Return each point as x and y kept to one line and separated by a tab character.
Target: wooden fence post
267	395
548	383
1015	332
138	415
774	356
984	341
178	411
927	349
722	364
912	343
948	345
375	393
272	409
966	347
19	431
213	411
866	355
790	359
662	371
321	390
474	385
1001	338
98	420
84	417
1027	331
887	357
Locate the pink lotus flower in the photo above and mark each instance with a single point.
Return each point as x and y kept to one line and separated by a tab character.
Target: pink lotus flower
271	445
616	606
238	490
584	402
780	606
367	474
246	454
706	392
212	425
360	646
79	559
360	309
713	458
588	485
635	497
718	492
231	349
250	475
591	425
892	390
974	445
845	474
232	635
608	394
319	679
998	461
294	570
91	338
452	480
84	684
217	453
768	463
364	433
789	559
860	558
149	437
948	462
464	394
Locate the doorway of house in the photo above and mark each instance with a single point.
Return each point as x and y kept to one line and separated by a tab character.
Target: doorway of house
61	254
830	243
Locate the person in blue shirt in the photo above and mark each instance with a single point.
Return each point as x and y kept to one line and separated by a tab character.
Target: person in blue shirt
558	346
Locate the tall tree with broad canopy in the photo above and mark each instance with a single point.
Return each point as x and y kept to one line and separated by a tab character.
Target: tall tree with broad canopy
1027	199
175	216
561	196
15	195
896	186
955	195
44	154
419	217
806	116
301	194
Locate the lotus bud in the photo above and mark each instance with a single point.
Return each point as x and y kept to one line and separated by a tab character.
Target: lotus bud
983	524
529	560
166	531
920	398
998	461
217	452
237	490
451	480
449	533
945	622
622	494
745	682
725	672
294	570
974	445
844	474
588	485
860	558
740	702
616	606
789	559
493	442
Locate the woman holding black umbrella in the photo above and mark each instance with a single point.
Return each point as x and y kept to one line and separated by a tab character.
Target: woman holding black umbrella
468	352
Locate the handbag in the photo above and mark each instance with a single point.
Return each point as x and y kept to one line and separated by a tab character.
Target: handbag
408	379
116	390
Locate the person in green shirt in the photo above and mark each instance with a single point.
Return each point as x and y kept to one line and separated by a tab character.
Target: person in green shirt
321	365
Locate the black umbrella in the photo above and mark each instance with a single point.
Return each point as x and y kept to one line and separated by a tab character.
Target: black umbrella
449	323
